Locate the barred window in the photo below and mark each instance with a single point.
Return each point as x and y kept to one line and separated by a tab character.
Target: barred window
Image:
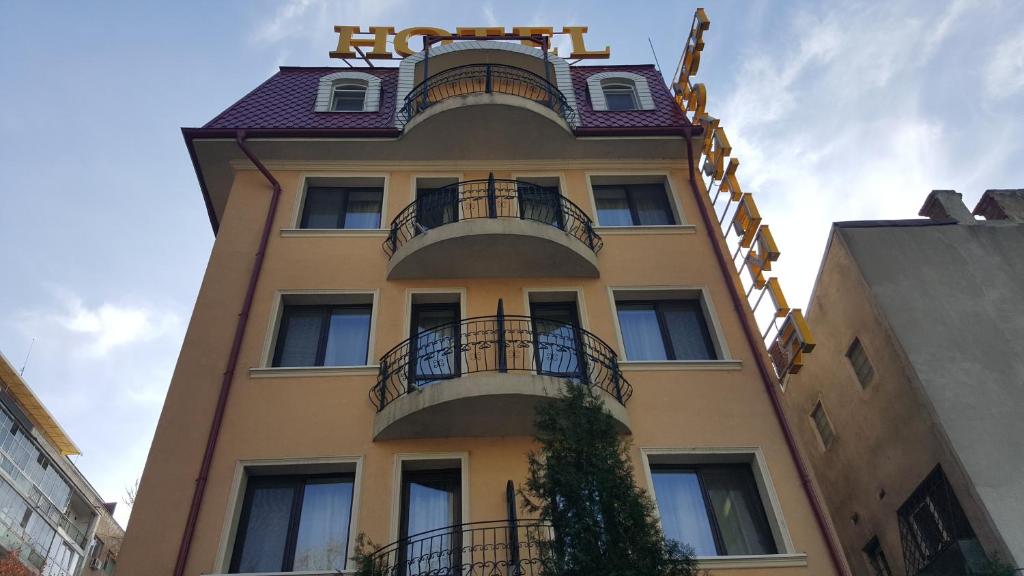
861	364
823	425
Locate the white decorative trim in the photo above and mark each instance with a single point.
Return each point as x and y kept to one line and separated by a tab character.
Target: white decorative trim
329	232
643	90
396	488
645	230
659	365
407	69
307	371
327	84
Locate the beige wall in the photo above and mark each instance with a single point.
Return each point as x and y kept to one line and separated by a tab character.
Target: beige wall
886	437
274	417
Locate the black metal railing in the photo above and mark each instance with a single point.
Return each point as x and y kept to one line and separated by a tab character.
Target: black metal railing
486	79
491	198
499	343
495	548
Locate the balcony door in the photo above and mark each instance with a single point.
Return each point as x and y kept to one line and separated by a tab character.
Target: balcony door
431	513
436	207
557	346
435	342
541	204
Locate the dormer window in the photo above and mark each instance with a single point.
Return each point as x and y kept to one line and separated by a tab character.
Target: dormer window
348	91
619	91
620	95
348	97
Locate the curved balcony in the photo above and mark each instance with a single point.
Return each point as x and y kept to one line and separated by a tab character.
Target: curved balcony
496	548
491	79
492	228
484	376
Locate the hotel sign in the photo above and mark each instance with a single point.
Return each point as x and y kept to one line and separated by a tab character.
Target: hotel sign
351	39
784	329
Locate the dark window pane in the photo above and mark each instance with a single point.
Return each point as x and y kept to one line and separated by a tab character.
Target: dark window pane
687	330
348	337
876	559
860	362
620	97
348	99
322	542
431	503
299	337
652	208
540	204
641	334
437	207
265	532
436	340
557	346
738	510
323	207
681	506
363	208
821	422
612	207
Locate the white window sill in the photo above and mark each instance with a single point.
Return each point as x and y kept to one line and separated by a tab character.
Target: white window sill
320	232
302	573
631	230
680	364
759	561
307	371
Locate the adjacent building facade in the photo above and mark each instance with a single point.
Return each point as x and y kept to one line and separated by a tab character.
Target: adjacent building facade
49	513
910	407
407	261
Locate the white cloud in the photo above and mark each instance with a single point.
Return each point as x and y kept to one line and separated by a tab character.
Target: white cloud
1004	73
113	325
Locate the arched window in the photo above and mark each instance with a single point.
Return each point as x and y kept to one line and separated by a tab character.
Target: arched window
348	91
620	95
348	96
619	90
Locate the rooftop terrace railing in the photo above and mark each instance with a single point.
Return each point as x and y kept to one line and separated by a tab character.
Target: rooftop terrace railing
491	198
485	79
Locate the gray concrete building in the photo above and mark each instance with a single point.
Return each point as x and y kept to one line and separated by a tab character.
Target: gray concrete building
50	516
911	409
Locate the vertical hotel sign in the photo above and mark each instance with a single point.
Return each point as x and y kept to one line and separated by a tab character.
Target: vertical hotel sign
784	331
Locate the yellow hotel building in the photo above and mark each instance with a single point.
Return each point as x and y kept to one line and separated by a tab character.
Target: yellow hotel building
408	260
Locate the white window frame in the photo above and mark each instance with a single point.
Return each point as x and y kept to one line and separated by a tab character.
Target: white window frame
265	369
596	82
725	361
314	179
787	554
325	91
285	466
624	87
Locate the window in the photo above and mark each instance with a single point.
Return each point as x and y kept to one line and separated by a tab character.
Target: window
823	425
323	335
620	95
715	508
342	207
294	523
861	364
431	502
931	523
876	559
633	205
348	97
665	330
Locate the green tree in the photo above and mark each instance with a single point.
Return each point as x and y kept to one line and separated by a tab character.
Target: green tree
581	481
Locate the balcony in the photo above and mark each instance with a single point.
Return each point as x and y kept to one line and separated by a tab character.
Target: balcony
486	84
495	548
492	228
484	376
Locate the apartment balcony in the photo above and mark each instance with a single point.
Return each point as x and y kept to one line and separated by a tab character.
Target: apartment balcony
496	548
492	228
488	85
484	376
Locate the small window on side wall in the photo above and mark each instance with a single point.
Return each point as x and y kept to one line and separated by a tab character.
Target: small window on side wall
349	96
876	559
620	95
823	425
860	362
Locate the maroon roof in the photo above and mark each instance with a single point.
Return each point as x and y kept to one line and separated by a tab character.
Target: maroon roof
286	102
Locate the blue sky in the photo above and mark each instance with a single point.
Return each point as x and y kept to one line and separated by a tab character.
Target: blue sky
836	110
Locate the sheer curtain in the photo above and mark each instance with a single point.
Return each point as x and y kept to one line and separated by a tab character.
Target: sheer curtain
741	518
266	528
348	337
432	506
322	542
612	207
688	330
640	332
323	206
684	517
300	337
363	208
652	208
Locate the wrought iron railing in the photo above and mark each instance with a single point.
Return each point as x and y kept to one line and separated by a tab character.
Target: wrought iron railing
491	198
499	344
933	527
495	548
486	79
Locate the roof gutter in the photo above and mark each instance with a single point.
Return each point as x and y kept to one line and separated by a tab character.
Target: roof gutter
236	345
753	340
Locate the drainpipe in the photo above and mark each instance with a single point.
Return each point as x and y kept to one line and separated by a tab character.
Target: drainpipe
752	336
236	345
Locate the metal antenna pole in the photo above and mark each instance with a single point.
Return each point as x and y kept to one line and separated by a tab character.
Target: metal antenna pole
656	63
24	364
